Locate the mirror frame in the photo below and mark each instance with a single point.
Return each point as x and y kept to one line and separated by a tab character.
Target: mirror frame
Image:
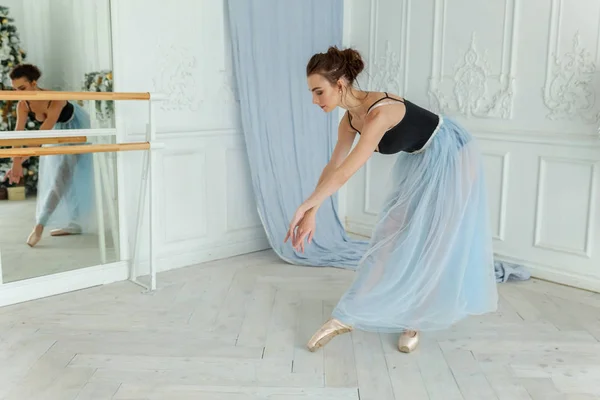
95	275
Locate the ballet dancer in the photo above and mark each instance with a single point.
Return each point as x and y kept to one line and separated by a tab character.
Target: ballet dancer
429	263
65	182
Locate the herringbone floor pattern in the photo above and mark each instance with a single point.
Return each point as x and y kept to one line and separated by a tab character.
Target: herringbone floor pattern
237	328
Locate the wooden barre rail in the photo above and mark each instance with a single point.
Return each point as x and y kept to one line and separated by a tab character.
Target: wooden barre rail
75	149
34	95
41	141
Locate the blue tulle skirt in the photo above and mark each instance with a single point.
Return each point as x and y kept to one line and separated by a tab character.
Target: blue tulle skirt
430	260
65	193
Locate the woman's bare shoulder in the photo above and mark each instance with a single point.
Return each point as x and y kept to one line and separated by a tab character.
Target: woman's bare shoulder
393	96
22	106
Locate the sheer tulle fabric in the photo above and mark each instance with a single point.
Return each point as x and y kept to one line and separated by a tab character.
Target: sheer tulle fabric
65	196
430	261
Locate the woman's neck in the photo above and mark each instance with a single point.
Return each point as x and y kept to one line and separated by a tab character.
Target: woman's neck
355	101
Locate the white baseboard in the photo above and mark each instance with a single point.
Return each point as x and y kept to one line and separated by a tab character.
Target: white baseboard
171	261
359	228
555	275
544	272
175	261
51	285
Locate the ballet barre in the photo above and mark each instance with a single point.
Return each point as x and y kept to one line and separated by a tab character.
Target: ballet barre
31	95
75	149
63	133
62	142
41	141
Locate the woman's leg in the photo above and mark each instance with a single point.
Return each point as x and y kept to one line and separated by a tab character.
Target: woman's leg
59	187
430	263
392	220
375	262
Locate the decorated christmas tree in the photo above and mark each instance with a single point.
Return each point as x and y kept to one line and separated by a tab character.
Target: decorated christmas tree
11	54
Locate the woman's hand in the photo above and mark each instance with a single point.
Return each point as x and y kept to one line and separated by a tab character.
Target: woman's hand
15	173
306	230
302	226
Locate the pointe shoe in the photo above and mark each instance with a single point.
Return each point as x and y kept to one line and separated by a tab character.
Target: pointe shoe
408	341
328	331
35	235
69	230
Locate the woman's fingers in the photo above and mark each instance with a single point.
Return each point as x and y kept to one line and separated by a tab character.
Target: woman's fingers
299	243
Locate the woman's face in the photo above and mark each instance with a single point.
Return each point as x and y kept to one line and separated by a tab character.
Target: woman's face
324	94
23	84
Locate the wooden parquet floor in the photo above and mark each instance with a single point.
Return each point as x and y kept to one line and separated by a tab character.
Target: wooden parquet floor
237	329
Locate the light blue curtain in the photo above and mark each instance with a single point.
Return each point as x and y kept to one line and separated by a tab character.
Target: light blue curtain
289	140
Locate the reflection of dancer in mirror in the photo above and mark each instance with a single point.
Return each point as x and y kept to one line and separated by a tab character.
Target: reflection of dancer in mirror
65	182
430	260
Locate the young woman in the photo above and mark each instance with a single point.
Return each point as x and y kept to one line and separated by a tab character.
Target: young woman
430	260
65	182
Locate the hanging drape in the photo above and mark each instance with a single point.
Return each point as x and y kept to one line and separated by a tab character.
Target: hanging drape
289	140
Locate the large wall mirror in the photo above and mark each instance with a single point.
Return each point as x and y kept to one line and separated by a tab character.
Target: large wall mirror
62	213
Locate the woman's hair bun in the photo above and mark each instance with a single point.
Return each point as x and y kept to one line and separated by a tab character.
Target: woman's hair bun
336	63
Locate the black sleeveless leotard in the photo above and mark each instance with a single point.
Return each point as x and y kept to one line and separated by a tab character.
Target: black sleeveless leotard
409	135
65	114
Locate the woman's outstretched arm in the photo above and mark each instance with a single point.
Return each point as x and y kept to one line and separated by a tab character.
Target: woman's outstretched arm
375	127
346	136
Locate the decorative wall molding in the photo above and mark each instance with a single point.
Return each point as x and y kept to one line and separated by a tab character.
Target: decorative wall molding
469	93
473	90
377	180
559	251
389	71
176	78
570	92
504	157
586	249
187	221
239	217
406	9
563	140
373	40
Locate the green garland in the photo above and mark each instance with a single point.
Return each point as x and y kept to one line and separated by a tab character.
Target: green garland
101	81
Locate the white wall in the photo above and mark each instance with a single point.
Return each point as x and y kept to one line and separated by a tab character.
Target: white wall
522	76
205	202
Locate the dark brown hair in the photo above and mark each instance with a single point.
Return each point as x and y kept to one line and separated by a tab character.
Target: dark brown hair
336	64
29	71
